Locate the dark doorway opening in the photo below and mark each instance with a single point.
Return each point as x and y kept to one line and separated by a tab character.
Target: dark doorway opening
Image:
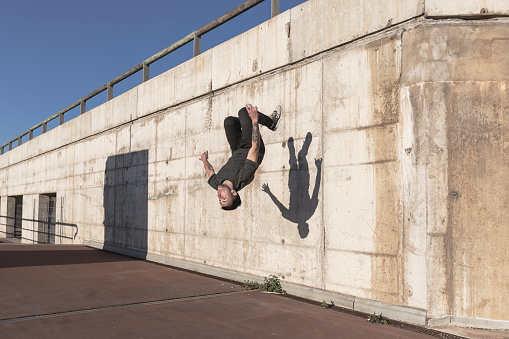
47	218
14	216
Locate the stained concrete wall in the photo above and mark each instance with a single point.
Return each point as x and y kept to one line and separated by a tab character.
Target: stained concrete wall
460	113
409	115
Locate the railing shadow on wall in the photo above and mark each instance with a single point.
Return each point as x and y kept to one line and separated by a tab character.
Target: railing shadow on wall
43	232
125	202
145	65
302	205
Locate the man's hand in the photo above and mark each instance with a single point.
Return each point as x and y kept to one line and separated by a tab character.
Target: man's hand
253	112
206	164
204	156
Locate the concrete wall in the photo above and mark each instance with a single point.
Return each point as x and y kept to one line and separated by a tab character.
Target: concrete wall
409	115
460	117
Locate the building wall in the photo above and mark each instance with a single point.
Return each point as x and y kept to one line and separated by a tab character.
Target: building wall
409	115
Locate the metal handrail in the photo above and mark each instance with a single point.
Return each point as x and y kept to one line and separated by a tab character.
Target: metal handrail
34	231
194	36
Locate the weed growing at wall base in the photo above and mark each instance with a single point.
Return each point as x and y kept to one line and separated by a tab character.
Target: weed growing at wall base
326	305
271	284
251	285
378	319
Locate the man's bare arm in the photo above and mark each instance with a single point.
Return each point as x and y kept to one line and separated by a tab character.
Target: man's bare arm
206	164
255	140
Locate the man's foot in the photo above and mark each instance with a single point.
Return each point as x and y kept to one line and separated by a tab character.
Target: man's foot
276	118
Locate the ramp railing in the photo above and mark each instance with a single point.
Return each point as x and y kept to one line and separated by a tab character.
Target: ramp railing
145	66
42	231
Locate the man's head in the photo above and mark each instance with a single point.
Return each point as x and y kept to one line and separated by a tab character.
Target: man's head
229	199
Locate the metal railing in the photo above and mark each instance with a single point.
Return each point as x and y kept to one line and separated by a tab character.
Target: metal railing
53	230
145	65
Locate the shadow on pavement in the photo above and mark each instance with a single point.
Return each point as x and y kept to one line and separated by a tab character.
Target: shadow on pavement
12	256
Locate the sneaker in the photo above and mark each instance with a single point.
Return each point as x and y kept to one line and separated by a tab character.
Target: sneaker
276	118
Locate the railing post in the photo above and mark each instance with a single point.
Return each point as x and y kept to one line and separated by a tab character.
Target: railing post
109	89
83	106
20	141
61	119
10	145
146	72
2	150
196	45
44	127
31	134
275	8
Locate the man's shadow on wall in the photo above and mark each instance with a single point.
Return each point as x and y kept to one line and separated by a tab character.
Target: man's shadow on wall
126	202
302	206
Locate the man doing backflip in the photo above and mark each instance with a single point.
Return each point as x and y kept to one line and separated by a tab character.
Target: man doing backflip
243	135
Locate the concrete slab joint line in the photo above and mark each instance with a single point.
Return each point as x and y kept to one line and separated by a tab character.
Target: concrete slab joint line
119	307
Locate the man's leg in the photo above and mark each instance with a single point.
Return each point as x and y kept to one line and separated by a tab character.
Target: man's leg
247	125
262	118
247	129
232	128
239	130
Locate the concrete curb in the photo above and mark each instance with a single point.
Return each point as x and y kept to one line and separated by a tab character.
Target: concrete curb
400	313
452	320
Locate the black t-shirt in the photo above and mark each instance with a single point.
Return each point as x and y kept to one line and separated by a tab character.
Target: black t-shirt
239	170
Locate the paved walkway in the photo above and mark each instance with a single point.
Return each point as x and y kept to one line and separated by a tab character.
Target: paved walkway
51	291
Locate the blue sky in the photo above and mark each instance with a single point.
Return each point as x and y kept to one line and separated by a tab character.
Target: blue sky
55	52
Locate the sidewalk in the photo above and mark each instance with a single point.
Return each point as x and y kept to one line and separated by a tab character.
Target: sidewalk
51	291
